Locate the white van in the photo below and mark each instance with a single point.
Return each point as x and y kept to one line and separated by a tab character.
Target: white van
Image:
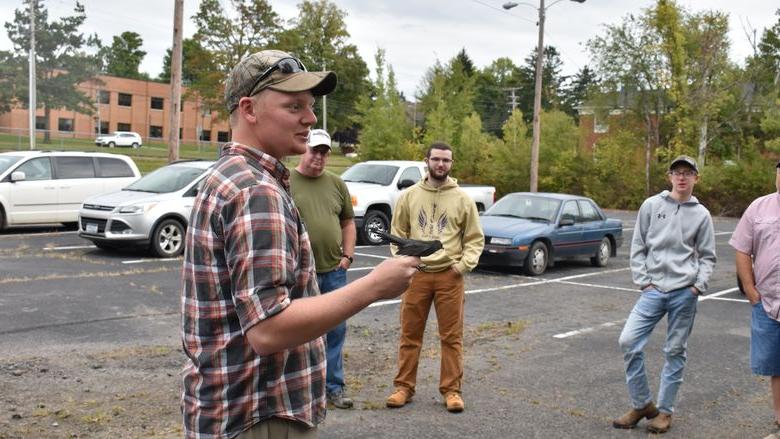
45	187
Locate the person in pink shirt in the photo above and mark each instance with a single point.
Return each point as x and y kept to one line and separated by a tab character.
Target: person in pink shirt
757	242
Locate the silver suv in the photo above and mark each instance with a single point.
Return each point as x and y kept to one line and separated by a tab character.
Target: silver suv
151	212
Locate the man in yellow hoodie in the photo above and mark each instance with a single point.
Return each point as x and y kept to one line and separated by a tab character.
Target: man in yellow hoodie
436	208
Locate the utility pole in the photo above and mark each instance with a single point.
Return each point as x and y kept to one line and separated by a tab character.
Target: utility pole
537	89
537	103
32	104
324	106
512	98
176	54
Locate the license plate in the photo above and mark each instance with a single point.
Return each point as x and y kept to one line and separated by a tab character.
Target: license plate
92	228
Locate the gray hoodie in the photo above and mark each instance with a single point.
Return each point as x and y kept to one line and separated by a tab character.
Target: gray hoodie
673	245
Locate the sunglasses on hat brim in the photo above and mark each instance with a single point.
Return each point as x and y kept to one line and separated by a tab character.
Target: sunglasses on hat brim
285	65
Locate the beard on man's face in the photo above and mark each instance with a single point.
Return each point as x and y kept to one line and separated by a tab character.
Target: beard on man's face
439	175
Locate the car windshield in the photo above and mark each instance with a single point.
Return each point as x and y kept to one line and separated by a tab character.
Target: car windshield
6	161
525	206
370	173
166	179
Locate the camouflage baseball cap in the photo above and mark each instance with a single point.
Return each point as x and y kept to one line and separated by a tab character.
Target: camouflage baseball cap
276	70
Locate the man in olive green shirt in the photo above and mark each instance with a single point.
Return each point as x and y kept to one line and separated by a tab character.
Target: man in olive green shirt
326	208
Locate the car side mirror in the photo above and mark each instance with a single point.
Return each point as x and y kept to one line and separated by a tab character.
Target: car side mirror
18	176
405	183
566	222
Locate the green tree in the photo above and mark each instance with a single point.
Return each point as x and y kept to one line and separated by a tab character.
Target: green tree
124	56
195	62
551	82
696	49
229	35
510	170
473	152
492	93
576	91
448	98
628	61
61	60
559	134
384	128
319	37
612	179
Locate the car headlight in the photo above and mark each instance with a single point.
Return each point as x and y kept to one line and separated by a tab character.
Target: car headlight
136	208
501	241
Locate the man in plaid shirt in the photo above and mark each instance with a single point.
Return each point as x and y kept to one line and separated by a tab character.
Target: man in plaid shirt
252	315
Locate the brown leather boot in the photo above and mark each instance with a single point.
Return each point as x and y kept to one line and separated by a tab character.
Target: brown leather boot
399	398
660	424
454	402
633	416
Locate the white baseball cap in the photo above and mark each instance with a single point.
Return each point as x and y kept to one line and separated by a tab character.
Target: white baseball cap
319	137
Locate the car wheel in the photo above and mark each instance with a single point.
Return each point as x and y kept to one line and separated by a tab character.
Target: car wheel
374	221
168	239
601	257
2	219
536	261
135	145
111	144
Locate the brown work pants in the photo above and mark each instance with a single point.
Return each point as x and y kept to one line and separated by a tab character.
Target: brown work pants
445	289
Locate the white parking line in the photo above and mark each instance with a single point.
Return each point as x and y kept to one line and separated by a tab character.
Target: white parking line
372	246
591	329
141	261
360	269
507	287
713	296
72	247
369	255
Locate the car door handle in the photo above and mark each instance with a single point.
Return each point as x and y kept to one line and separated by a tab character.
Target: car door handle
50	187
64	187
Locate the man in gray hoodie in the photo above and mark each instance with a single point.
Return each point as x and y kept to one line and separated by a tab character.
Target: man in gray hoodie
672	258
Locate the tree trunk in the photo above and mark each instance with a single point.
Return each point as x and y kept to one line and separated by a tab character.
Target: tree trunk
703	140
648	147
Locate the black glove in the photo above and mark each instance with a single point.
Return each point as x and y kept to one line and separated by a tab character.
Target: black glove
411	247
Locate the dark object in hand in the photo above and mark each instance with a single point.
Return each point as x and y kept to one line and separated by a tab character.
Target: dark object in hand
411	247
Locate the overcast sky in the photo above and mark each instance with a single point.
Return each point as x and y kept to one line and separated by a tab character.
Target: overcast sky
414	33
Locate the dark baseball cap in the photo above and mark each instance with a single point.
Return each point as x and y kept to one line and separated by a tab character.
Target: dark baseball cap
684	159
276	70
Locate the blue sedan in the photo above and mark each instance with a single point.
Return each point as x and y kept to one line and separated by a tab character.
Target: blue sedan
532	230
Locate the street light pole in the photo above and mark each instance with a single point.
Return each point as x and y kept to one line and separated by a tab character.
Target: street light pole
537	103
537	90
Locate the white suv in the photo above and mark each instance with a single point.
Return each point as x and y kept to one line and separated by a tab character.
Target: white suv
120	138
45	187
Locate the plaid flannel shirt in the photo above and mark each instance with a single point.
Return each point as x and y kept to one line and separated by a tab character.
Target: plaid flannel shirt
247	256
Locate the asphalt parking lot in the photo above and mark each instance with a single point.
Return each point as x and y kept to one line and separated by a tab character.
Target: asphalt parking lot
541	354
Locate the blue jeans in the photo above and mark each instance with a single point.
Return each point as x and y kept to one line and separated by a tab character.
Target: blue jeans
328	282
680	308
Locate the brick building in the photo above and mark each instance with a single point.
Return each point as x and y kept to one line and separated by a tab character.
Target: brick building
125	105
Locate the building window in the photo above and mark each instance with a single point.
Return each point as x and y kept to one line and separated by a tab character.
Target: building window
157	103
205	135
125	100
104	97
123	127
222	136
40	122
103	129
600	124
155	131
181	130
64	124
